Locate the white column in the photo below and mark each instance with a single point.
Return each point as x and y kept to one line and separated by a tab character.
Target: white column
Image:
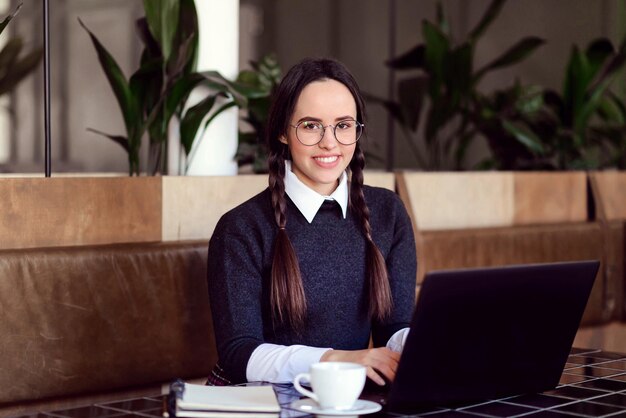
219	50
5	101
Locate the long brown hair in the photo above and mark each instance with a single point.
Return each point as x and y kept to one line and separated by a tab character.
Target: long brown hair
287	297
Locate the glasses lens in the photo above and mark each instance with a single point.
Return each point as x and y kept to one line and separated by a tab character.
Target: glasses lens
309	133
348	131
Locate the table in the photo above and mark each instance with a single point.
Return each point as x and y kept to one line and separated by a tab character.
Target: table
593	384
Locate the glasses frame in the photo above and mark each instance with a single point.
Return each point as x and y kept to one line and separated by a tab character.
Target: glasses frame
323	131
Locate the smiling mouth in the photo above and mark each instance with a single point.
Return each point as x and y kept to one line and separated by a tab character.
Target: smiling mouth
326	159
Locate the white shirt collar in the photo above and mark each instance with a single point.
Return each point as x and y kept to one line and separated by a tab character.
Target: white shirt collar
308	201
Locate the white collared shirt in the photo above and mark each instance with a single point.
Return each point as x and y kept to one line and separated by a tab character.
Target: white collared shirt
279	363
307	200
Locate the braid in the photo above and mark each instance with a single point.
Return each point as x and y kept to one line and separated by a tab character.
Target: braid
380	301
286	290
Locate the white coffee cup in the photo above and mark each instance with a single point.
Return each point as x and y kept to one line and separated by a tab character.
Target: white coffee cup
336	385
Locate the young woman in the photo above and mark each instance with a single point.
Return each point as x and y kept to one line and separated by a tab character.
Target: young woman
315	265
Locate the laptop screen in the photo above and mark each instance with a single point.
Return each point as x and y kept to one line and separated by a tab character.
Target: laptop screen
486	333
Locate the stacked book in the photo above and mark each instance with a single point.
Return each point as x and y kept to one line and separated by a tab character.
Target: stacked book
189	400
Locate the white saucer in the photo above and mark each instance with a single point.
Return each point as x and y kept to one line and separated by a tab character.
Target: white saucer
360	407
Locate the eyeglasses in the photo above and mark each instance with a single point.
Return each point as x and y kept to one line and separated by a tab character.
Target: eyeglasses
346	132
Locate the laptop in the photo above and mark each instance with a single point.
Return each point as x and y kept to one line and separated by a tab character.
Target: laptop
487	333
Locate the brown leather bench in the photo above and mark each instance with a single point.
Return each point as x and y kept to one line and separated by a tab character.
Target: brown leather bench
482	247
78	320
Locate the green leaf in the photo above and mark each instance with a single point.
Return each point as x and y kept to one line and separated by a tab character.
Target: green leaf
194	146
458	72
121	89
146	83
577	79
180	60
118	139
530	100
268	70
7	19
177	95
249	77
588	107
524	136
192	120
442	22
152	50
219	110
19	69
162	17
437	48
188	30
10	52
609	69
513	55
490	15
598	52
239	92
610	109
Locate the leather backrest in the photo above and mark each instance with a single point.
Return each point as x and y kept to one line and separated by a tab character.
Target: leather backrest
82	319
483	247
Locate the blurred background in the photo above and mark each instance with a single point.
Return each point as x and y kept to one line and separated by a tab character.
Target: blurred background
364	34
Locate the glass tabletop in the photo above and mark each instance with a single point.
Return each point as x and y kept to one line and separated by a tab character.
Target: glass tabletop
593	384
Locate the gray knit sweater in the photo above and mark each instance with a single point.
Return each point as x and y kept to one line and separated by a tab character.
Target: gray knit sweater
331	254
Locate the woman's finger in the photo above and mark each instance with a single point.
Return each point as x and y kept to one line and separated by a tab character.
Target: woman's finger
371	373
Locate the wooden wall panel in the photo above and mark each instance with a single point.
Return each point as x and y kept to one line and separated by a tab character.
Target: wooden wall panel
193	205
446	200
443	201
50	212
380	179
611	190
547	197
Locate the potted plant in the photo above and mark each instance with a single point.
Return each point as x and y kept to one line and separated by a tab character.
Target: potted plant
159	89
444	105
580	127
264	76
443	99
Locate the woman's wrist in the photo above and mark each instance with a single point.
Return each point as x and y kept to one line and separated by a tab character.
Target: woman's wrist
328	355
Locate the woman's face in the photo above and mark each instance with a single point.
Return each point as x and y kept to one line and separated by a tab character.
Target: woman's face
320	166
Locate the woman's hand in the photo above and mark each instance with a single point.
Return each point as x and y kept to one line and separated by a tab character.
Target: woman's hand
377	361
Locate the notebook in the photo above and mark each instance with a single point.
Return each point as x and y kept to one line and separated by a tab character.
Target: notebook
190	400
481	334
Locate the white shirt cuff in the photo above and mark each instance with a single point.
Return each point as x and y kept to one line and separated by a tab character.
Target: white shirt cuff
279	363
397	340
